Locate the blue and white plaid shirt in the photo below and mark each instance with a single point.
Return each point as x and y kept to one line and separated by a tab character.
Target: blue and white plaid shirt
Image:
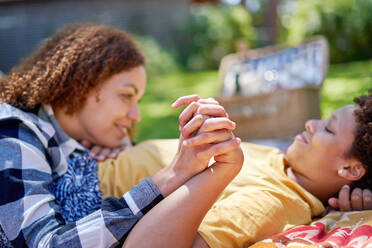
34	153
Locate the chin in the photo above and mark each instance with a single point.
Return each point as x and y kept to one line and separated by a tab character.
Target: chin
291	148
292	153
108	143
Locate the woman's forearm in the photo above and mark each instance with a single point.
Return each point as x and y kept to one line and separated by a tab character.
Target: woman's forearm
175	220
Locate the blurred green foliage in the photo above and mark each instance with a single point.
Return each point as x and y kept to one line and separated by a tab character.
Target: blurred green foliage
158	59
211	33
345	23
159	120
343	83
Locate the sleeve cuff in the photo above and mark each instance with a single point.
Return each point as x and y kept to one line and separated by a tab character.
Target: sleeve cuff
143	197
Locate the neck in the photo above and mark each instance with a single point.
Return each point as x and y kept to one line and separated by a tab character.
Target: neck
68	123
321	192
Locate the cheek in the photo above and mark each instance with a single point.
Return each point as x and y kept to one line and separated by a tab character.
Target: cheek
306	156
107	109
95	124
325	146
325	155
96	118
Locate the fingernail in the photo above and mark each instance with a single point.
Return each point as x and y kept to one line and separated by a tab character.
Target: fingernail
100	157
346	186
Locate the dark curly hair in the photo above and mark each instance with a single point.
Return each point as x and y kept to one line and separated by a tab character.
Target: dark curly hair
361	148
68	66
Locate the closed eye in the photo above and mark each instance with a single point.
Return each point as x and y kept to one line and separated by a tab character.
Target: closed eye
327	130
127	96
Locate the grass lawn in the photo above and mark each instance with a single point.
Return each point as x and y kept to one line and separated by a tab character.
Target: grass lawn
160	121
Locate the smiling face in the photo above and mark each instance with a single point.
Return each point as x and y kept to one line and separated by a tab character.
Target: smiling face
109	112
317	155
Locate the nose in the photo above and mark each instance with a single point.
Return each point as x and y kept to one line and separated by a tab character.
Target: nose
310	126
134	113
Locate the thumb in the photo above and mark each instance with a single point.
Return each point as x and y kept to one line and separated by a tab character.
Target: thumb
333	202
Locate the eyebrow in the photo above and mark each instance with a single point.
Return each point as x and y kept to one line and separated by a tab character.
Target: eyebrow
131	85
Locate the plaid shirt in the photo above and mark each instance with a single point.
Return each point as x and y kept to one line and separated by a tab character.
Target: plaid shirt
34	152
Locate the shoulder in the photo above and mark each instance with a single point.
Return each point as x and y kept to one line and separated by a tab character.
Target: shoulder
27	126
21	134
23	145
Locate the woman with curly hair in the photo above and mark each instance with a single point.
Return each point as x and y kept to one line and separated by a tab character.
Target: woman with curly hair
84	83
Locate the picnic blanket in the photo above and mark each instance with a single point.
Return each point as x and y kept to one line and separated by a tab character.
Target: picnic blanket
336	229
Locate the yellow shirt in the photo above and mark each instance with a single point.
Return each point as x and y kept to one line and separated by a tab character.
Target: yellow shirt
119	175
260	201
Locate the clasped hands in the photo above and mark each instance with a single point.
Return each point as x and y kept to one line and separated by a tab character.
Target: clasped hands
205	133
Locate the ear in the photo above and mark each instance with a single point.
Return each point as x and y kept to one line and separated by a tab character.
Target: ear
353	171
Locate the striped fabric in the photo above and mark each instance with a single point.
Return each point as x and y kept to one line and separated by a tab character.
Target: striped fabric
34	153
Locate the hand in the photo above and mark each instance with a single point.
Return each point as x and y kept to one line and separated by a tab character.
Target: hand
358	200
102	153
208	134
198	128
201	139
195	105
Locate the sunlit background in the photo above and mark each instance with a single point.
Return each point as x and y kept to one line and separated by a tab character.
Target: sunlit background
185	40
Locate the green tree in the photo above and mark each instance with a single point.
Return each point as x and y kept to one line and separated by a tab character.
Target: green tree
345	23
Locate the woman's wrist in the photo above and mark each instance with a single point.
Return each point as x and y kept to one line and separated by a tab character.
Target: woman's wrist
169	179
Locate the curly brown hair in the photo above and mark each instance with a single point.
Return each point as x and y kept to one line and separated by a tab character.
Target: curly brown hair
70	64
361	148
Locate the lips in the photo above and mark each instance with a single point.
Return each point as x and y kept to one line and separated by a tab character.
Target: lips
123	129
303	137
